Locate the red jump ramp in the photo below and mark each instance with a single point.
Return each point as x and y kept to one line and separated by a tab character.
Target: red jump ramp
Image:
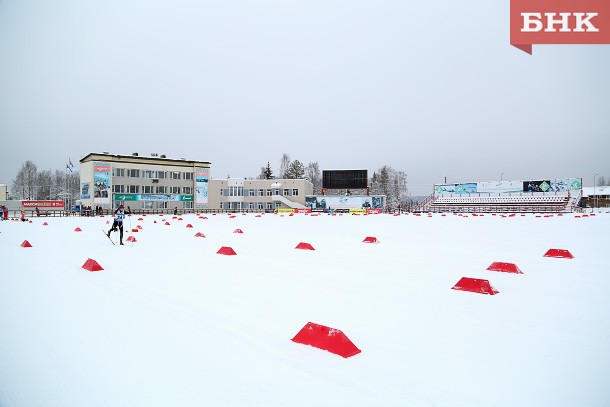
304	246
504	267
559	253
227	251
475	285
92	265
326	338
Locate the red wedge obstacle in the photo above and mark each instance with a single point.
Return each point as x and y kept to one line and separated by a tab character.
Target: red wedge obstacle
227	251
370	239
189	226
26	244
166	223
304	246
92	265
131	238
238	231
475	285
504	267
330	339
559	253
78	230
45	224
199	234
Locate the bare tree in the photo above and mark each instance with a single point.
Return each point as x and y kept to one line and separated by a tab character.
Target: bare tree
24	184
601	181
312	173
284	166
44	182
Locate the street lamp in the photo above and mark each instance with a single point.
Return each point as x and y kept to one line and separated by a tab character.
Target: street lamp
501	176
593	192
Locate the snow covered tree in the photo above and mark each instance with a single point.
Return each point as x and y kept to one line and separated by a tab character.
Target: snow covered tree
284	166
313	174
24	184
296	170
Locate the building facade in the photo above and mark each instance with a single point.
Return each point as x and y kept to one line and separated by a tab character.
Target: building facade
258	194
3	192
143	182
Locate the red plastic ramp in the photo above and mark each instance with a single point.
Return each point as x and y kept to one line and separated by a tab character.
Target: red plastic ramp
559	253
227	251
326	338
92	265
370	239
475	285
26	244
504	267
304	246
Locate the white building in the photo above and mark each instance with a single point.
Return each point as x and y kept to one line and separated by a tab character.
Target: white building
258	194
143	182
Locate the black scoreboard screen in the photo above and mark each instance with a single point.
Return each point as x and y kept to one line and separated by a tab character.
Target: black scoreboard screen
344	179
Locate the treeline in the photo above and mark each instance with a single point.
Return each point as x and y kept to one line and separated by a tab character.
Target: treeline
31	184
603	181
384	181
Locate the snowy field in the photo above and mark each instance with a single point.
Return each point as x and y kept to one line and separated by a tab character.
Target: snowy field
169	322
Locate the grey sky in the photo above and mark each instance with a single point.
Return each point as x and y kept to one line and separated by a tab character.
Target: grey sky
430	88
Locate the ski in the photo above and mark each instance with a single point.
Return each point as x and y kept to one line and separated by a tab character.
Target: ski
109	238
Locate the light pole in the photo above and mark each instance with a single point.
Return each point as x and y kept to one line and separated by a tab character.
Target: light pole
501	176
593	193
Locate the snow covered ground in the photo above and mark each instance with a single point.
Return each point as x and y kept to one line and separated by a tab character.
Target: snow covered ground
169	322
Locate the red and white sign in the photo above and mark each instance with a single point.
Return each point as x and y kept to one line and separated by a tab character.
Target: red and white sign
302	210
559	22
42	204
374	210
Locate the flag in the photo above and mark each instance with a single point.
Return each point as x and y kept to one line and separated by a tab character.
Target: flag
68	167
70	161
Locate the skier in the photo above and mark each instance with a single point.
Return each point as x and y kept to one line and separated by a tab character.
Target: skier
119	215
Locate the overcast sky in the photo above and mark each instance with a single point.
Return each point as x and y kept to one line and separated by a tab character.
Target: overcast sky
430	88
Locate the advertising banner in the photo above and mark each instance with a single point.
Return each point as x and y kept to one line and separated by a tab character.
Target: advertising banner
468	188
302	210
42	204
284	210
536	186
500	187
84	190
344	202
101	183
202	176
152	197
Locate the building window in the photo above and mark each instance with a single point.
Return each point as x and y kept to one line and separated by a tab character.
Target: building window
260	205
188	205
261	193
187	190
278	205
147	189
148	174
295	192
162	205
252	192
161	174
174	190
161	190
276	191
147	204
174	175
133	173
251	205
269	205
236	191
286	192
133	189
188	175
225	205
118	172
118	189
269	193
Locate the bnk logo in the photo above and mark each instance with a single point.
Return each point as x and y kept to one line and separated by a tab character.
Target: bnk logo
559	22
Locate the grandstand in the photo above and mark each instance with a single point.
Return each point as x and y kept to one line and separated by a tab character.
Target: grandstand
544	196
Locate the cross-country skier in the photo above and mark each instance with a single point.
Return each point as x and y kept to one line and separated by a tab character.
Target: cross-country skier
119	215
